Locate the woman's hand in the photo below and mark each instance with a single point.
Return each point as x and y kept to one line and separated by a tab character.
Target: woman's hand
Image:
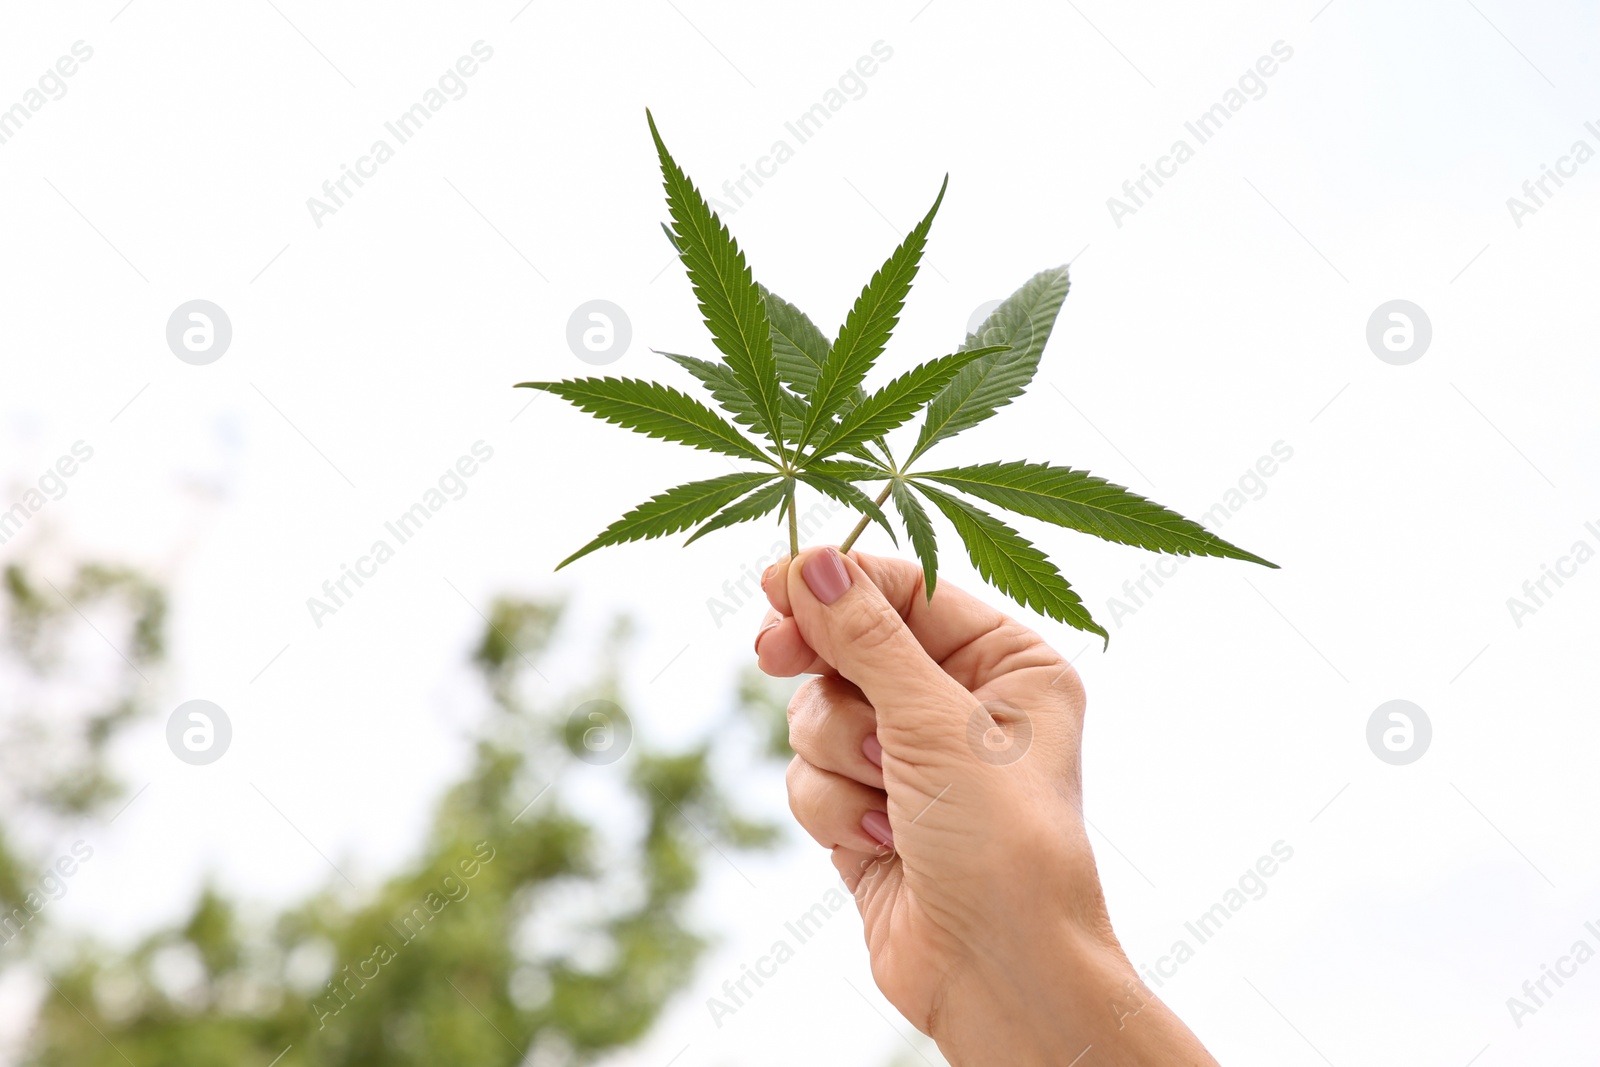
939	760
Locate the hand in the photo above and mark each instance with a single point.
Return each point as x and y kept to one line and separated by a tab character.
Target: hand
938	758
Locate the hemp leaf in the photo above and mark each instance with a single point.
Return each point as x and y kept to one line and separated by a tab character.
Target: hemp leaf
796	405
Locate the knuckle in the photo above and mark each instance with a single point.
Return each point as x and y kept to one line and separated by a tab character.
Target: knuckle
1069	684
805	698
1012	646
872	626
817	711
803	731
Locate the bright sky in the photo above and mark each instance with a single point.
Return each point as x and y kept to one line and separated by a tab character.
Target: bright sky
1222	321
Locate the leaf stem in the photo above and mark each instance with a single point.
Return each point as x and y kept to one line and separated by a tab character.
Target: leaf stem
794	525
862	525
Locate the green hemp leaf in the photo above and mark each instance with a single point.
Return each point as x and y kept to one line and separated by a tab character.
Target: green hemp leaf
796	406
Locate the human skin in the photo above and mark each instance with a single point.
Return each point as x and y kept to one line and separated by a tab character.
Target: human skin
938	758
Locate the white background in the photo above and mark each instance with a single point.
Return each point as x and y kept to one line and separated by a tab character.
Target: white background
1227	314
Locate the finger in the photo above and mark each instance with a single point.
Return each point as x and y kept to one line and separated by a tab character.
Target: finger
850	624
772	580
837	812
972	641
782	652
775	583
831	726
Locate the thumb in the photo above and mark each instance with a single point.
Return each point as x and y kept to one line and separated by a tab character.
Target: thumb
848	622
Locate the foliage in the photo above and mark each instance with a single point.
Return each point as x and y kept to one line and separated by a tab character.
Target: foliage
534	920
796	404
65	701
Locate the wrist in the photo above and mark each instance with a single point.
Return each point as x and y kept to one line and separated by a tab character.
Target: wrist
1036	1009
1073	989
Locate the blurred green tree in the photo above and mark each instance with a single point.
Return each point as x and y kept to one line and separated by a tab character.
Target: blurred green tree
526	926
64	698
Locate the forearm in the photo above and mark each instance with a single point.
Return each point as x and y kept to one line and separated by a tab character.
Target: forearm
1070	993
